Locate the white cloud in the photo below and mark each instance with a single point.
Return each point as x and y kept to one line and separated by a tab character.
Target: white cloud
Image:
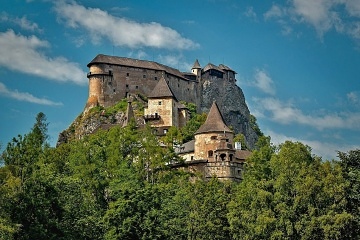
264	82
287	113
26	97
326	150
324	15
21	53
138	54
175	61
353	97
23	22
353	7
274	12
121	31
250	13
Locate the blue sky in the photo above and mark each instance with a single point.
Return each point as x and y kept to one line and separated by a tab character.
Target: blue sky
297	61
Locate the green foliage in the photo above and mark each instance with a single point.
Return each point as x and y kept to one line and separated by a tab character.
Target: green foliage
192	108
255	126
350	163
241	139
118	184
192	126
120	106
295	196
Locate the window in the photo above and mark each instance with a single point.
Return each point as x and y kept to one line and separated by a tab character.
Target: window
127	74
114	90
127	85
144	76
155	78
136	87
165	131
210	153
159	103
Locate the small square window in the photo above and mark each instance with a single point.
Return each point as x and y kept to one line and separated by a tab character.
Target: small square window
144	76
127	74
136	87
159	103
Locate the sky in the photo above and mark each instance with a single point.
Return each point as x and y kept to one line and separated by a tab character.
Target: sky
297	61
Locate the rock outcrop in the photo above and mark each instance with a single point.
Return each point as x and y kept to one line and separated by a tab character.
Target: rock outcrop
231	101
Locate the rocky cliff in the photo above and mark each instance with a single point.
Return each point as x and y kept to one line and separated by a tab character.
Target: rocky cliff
231	101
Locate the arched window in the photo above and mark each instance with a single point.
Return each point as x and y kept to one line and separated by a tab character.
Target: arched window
223	157
210	153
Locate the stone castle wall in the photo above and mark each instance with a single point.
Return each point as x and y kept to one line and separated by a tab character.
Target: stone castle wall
110	83
114	78
206	142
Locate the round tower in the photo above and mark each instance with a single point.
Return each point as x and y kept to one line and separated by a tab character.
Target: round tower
95	77
213	138
94	93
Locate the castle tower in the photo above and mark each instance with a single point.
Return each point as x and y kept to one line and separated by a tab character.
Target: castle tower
196	69
162	110
210	135
99	76
213	143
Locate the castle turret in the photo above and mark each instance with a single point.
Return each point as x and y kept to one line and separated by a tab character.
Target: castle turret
196	69
211	135
162	107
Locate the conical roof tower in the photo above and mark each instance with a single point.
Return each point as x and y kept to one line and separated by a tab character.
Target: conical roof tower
214	122
161	90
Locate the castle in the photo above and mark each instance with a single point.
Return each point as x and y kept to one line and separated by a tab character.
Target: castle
213	151
114	78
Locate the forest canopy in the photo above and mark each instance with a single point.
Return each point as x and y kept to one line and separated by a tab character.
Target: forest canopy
117	184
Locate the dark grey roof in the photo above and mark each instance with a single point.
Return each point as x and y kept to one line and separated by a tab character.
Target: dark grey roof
161	90
196	65
242	154
123	61
211	66
226	68
186	147
214	122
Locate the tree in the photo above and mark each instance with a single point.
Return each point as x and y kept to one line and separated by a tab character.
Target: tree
293	196
350	163
255	126
192	126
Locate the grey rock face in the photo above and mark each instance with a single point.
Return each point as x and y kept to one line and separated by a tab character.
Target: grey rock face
231	101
